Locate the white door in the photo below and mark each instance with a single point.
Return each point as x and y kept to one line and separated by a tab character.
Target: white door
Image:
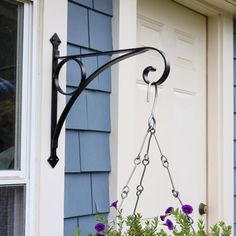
181	107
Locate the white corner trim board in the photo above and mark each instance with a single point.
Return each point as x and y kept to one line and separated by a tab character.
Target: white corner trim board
50	18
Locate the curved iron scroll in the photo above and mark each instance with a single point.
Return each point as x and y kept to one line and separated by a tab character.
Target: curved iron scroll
59	61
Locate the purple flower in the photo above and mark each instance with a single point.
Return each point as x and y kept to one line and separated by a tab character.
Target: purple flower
114	204
187	209
100	227
169	210
98	234
163	217
169	224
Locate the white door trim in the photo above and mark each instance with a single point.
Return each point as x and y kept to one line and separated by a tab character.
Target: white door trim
220	104
220	118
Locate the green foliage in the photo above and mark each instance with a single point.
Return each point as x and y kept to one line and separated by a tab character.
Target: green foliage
134	225
76	232
221	229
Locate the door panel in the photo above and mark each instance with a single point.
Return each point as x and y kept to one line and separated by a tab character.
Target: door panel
181	107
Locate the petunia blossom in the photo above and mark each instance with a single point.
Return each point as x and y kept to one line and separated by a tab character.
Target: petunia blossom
169	224
169	210
187	209
99	227
162	217
114	204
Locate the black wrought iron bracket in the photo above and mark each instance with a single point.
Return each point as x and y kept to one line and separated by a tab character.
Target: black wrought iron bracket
59	61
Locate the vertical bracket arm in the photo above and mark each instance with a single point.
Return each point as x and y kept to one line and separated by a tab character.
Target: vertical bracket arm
55	40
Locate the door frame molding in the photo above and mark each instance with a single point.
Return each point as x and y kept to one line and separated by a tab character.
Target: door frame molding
220	156
220	118
219	103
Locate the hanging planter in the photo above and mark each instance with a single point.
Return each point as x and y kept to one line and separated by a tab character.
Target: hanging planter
173	222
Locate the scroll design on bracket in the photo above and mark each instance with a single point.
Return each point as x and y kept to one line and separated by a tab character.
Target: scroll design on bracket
59	61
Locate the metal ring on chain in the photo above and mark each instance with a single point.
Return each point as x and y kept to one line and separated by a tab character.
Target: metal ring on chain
151	123
126	188
140	189
125	192
137	160
190	220
145	162
164	161
124	195
175	193
152	131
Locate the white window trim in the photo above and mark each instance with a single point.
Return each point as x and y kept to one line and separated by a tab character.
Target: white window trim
8	176
22	176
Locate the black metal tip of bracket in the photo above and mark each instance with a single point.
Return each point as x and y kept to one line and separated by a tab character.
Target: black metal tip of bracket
55	40
53	161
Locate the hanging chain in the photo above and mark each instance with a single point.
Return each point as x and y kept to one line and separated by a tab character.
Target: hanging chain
175	193
151	132
145	163
165	164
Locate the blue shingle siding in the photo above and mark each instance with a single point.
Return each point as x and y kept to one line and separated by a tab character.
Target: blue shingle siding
80	157
86	3
100	31
78	198
78	32
77	117
104	6
72	146
94	151
70	223
98	111
104	77
234	127
73	69
91	64
87	152
100	192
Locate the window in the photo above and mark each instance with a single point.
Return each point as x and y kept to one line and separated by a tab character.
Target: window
13	178
12	208
11	27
